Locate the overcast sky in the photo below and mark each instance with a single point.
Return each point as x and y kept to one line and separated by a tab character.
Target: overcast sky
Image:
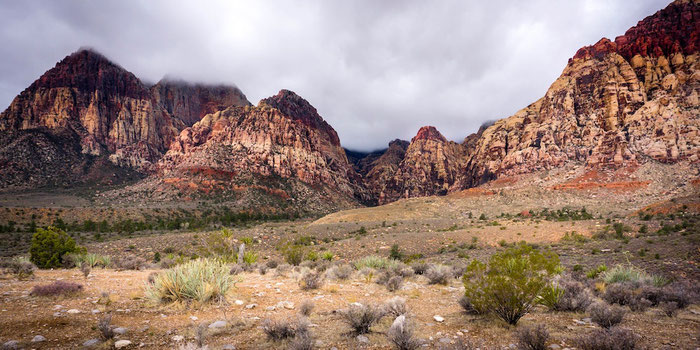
375	70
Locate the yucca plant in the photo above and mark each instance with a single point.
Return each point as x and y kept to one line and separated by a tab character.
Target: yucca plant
250	257
625	273
550	295
375	262
200	280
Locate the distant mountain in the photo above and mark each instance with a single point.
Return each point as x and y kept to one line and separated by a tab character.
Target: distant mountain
617	104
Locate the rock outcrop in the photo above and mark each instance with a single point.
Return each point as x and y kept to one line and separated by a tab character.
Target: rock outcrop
281	137
86	111
191	102
616	103
430	166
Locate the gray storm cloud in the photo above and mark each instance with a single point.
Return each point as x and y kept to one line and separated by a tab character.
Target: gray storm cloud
375	70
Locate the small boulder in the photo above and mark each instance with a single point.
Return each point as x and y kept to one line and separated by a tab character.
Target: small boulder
362	339
438	318
10	344
218	324
121	343
90	343
38	339
120	330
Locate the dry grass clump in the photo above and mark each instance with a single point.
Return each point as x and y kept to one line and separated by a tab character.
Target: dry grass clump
199	280
439	274
395	306
104	325
311	280
56	288
281	329
130	262
306	308
401	334
360	317
572	296
532	338
419	268
608	339
606	315
394	283
21	268
340	272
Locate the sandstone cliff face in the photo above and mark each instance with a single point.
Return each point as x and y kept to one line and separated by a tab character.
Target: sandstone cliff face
109	109
632	100
430	166
282	137
191	102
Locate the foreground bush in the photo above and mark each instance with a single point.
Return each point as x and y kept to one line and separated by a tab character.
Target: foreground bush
566	295
509	285
49	246
283	329
56	288
361	317
439	274
608	339
605	315
19	267
199	280
401	334
532	338
311	280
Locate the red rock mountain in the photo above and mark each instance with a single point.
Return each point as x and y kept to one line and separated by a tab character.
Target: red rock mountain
631	100
617	103
88	111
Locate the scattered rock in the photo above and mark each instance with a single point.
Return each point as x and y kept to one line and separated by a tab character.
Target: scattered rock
122	343
362	339
438	318
73	311
228	347
194	318
11	344
38	339
90	343
178	338
239	302
251	306
120	330
218	324
554	346
95	311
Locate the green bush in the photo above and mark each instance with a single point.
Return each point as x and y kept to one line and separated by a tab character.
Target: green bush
200	280
293	255
220	245
49	246
250	257
328	256
511	281
597	271
395	253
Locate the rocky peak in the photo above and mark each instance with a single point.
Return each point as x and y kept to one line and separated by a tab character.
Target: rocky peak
87	71
429	133
190	102
675	29
297	108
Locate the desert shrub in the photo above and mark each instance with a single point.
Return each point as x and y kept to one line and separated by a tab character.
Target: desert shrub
235	269
293	255
458	270
608	339
621	293
630	273
679	293
401	269
272	264
374	262
328	256
670	308
279	329
18	267
49	246
92	260
592	274
306	308
250	257
550	295
419	268
509	285
302	341
361	317
639	305
262	269
468	307
311	280
341	272
532	338
394	283
85	269
312	256
198	280
104	325
152	277
605	315
572	296
395	252
439	274
401	334
220	245
130	262
395	306
56	288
